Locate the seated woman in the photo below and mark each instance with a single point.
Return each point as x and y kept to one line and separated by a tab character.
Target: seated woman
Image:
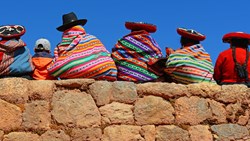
233	65
81	55
15	58
191	63
136	53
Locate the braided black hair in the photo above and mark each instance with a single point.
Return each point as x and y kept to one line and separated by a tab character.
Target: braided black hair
241	70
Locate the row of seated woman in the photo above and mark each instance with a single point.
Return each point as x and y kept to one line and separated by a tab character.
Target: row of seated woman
136	57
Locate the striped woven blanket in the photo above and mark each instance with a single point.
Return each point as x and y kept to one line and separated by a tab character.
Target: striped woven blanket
15	58
81	55
133	55
190	65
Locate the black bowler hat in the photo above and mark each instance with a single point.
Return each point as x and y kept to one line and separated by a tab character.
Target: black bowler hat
70	20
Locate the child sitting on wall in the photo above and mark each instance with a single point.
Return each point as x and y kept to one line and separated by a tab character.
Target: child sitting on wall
42	60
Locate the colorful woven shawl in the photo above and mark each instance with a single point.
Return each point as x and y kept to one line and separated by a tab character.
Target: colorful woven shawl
133	55
81	55
190	65
16	59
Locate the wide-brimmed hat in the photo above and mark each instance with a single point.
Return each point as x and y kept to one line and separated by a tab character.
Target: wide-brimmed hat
235	35
11	31
70	20
134	26
191	34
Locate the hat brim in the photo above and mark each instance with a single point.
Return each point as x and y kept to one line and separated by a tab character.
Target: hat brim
141	26
71	24
235	35
18	31
194	36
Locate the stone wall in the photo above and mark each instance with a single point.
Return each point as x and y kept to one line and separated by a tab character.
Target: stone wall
88	110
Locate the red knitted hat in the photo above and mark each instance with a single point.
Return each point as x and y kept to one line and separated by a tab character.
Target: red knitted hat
191	34
141	26
11	31
236	35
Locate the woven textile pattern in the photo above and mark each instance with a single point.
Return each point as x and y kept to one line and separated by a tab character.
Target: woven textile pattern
190	65
16	59
133	54
81	55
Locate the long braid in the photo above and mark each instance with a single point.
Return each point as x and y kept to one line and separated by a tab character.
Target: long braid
241	69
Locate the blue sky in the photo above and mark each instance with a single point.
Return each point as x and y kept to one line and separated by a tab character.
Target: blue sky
106	19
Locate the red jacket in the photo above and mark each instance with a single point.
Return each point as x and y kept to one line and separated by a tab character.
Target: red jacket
224	70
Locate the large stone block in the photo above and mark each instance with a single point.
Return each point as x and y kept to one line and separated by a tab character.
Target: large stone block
153	110
117	113
165	90
75	109
21	136
14	90
193	110
10	117
232	93
200	133
106	92
218	111
171	133
41	90
124	92
55	135
204	89
88	134
229	131
122	133
37	115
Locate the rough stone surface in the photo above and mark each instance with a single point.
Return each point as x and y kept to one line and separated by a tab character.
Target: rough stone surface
1	135
124	92
165	90
75	109
75	83
101	91
218	111
153	110
233	112
21	136
171	133
41	90
243	119
55	135
117	113
122	133
148	132
200	133
193	110
10	116
204	89
105	92
37	116
14	90
88	134
230	131
232	93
